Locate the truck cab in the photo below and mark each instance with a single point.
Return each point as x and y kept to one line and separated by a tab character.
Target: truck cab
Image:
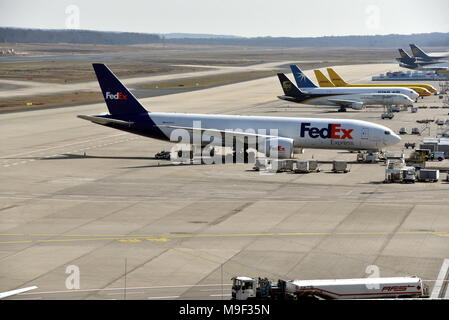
437	155
243	288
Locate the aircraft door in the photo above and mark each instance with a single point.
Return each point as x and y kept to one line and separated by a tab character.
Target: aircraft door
365	133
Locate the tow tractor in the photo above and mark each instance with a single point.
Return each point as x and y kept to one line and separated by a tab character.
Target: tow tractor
246	288
418	158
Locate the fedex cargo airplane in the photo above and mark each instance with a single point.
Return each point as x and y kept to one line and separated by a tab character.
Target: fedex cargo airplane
127	114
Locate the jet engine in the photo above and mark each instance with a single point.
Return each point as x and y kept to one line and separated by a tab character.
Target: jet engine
281	148
357	105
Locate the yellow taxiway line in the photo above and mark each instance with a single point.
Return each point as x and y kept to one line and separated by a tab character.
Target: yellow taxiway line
168	237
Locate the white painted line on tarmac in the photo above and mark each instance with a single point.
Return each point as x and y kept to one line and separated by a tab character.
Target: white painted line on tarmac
216	289
128	288
440	280
167	297
221	295
127	293
62	146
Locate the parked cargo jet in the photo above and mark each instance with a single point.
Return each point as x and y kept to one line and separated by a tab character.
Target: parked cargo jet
336	98
306	85
337	81
127	114
406	61
330	98
420	55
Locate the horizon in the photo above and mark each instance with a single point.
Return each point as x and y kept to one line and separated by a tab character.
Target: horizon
321	18
226	35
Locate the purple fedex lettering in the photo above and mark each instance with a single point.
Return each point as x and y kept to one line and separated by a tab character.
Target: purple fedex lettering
332	131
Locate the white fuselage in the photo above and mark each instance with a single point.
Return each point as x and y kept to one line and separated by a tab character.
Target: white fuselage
368	99
306	132
412	94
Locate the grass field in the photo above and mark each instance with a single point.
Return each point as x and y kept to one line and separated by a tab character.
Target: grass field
30	103
209	81
79	71
160	59
66	99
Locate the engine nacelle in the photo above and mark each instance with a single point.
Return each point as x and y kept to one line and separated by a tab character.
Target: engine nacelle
357	105
280	148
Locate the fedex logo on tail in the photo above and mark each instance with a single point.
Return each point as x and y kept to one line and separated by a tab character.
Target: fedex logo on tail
116	96
332	131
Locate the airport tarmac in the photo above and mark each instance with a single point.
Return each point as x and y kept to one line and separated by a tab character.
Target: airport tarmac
77	194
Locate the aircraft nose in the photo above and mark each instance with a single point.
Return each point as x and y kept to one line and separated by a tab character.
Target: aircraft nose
394	138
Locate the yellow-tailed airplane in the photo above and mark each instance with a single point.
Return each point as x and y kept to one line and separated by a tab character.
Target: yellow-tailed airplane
324	82
421	88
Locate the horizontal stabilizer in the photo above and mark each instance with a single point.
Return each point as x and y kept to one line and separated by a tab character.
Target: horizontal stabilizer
105	121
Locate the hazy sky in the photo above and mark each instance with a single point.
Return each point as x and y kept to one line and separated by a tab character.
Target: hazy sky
292	18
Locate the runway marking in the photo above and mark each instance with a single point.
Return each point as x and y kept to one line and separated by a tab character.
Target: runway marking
221	295
128	288
167	297
206	290
130	240
16	242
158	239
69	151
166	238
116	293
62	146
442	275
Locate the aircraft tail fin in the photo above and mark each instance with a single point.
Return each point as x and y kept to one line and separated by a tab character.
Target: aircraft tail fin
418	52
404	54
301	79
335	78
117	97
289	88
322	80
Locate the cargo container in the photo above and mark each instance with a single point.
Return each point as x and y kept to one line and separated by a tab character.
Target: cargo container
428	175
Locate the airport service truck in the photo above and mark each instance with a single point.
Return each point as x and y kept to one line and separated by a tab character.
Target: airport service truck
247	288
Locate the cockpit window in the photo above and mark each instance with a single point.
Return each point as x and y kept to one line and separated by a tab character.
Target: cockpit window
387	132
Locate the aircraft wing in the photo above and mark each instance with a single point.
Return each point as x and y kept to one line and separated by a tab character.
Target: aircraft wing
344	103
14	292
223	132
101	120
